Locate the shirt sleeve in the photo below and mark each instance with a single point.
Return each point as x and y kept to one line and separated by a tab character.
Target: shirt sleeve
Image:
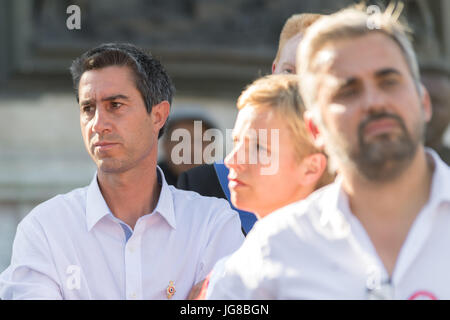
32	273
246	274
225	238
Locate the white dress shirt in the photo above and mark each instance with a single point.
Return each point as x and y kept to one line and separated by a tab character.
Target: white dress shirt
317	249
73	247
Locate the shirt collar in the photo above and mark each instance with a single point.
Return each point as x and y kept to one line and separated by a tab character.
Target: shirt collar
332	219
165	205
440	185
97	208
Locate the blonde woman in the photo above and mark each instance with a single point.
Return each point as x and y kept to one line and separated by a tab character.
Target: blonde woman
288	168
270	129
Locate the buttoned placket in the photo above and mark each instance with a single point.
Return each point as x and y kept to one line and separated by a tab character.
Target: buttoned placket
420	230
133	263
377	282
416	238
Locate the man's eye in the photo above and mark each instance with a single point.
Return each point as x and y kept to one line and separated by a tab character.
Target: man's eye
388	82
116	105
87	109
346	93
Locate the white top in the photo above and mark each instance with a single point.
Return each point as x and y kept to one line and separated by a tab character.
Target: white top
72	247
317	249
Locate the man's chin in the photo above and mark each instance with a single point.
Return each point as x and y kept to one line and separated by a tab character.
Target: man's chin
110	166
385	160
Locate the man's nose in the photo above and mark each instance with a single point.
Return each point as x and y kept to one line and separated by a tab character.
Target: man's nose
374	100
101	121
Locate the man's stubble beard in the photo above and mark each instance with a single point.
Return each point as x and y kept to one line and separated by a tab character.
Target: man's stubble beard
381	160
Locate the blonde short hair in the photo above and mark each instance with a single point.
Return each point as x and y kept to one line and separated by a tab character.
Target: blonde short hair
297	23
280	93
349	23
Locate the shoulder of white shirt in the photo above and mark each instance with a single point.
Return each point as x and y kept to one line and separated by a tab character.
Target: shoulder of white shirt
47	209
190	200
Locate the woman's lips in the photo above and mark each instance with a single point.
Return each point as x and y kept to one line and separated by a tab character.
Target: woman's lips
234	183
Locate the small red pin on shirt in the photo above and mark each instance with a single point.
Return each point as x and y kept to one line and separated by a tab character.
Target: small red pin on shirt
170	291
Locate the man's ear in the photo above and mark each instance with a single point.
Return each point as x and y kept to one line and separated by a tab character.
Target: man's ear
426	103
160	113
313	129
313	166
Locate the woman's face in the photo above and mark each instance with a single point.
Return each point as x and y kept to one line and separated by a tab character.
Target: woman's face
264	171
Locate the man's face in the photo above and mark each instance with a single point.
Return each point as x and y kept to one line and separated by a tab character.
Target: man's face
250	189
372	115
286	62
438	85
193	142
117	130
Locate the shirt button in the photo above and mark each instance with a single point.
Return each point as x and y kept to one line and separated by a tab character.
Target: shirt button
133	295
131	249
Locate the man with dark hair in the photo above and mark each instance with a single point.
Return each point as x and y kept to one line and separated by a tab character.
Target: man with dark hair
128	235
189	127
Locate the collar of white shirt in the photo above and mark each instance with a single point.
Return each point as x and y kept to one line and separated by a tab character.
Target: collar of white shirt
97	208
336	213
439	186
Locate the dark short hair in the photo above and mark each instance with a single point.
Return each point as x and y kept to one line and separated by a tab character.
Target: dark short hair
176	119
150	77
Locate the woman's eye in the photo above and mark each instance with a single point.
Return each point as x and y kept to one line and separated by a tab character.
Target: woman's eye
288	71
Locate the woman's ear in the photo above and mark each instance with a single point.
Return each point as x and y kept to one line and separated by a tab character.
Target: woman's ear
313	166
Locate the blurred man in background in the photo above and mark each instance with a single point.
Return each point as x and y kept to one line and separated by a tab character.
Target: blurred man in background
293	31
187	126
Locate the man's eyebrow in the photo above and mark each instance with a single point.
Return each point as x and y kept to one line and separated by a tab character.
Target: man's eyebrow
110	98
116	97
87	102
387	72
